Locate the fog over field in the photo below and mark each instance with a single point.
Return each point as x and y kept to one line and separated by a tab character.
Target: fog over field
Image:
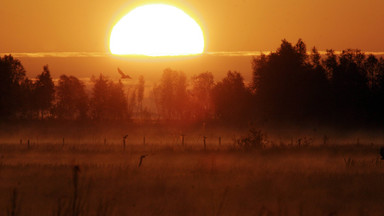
89	171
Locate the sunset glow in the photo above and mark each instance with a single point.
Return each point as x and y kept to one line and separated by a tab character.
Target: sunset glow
156	30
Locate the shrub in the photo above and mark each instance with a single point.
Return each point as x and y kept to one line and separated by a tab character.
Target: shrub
255	139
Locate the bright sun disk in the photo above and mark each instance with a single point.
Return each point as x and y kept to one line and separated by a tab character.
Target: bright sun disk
156	30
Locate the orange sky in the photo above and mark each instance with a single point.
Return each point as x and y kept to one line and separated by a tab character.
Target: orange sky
229	25
30	26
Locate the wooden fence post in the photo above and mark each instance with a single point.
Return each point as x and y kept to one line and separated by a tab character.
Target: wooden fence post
182	139
205	144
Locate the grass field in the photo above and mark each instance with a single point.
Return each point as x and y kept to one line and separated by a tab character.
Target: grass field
285	177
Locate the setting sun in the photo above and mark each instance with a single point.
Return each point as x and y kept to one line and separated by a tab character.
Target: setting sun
156	30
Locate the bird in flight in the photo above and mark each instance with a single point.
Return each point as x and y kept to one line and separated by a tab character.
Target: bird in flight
123	75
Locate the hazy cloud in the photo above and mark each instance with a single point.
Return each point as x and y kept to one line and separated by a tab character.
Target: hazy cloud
101	54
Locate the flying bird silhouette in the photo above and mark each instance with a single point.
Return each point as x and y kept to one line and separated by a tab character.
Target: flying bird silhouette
123	75
382	152
141	159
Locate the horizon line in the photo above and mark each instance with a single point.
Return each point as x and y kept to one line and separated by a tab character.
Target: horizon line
106	54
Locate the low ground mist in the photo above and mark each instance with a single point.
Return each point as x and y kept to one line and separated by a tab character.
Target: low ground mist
293	172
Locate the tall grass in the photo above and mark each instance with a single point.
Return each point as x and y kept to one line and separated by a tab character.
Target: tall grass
89	177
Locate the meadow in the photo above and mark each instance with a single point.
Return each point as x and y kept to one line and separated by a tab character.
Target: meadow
79	173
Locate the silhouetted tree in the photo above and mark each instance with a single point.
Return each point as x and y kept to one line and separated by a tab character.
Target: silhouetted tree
132	101
117	101
99	100
12	76
315	60
380	77
232	99
108	101
44	91
201	98
349	85
372	67
318	88
376	69
72	100
29	108
140	94
171	94
287	85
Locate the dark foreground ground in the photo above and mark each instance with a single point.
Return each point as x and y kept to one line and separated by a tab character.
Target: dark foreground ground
97	178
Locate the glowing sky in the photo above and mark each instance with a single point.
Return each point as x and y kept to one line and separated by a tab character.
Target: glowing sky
229	25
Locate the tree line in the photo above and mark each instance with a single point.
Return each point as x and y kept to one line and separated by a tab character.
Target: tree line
30	99
343	89
288	85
